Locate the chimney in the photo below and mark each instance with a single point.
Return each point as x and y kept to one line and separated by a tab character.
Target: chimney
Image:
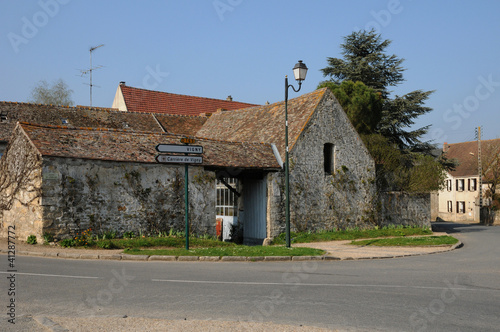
122	83
229	98
446	147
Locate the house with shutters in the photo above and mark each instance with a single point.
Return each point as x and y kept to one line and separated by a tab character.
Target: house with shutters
462	195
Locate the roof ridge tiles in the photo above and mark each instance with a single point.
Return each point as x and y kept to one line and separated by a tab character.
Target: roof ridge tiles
178	94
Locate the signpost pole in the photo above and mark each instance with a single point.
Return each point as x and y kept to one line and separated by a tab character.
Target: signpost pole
186	202
176	159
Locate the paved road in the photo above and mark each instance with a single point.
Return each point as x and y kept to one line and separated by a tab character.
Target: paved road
453	291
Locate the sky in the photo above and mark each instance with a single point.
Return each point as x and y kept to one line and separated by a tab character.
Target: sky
244	48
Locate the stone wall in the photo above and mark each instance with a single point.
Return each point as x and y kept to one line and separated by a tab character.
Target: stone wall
64	196
346	197
490	216
147	198
20	190
399	208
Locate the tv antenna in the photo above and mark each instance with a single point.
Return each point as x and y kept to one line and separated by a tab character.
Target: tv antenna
91	69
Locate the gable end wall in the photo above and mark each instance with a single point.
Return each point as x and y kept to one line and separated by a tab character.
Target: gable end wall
319	200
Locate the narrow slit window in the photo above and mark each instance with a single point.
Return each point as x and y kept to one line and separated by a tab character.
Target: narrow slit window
329	158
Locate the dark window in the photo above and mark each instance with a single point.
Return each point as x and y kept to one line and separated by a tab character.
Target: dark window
450	206
3	116
329	156
460	184
472	184
448	185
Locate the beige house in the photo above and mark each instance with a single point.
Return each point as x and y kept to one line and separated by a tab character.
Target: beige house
459	200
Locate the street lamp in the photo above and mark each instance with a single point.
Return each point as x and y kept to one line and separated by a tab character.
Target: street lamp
299	71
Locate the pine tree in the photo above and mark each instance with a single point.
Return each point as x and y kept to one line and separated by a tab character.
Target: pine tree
365	60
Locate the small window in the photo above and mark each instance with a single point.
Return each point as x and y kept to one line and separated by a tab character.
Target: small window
450	206
3	116
472	184
448	185
460	184
329	158
64	121
461	207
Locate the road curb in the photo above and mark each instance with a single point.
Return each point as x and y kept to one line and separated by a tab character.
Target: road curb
154	258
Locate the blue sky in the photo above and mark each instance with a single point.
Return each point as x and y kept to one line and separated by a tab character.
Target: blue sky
244	48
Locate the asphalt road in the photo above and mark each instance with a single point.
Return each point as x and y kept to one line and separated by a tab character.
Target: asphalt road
453	291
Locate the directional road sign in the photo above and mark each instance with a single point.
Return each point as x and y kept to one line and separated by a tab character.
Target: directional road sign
175	148
162	158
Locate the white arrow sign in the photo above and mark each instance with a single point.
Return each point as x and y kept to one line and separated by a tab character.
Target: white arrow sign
178	159
174	148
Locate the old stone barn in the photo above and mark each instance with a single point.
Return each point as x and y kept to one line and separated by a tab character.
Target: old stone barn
66	169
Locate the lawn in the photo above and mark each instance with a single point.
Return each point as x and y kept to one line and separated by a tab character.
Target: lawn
352	234
409	241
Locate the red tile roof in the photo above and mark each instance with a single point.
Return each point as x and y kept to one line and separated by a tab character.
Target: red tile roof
141	100
127	146
466	155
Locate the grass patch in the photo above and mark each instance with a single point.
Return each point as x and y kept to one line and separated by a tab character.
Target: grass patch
168	241
352	234
408	241
230	251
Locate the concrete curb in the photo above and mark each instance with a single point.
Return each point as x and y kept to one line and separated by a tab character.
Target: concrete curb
144	258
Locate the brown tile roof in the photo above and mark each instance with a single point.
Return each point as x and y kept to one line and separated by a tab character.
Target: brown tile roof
141	100
179	124
466	154
127	146
72	117
264	123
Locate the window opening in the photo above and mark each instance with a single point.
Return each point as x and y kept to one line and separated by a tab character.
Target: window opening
227	200
329	158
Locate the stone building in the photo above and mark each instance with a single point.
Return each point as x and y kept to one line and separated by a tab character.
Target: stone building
332	175
65	180
69	168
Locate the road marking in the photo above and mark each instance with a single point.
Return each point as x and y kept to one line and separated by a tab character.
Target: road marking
49	275
313	285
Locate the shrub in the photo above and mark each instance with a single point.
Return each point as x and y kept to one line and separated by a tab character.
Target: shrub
129	235
31	239
47	238
66	243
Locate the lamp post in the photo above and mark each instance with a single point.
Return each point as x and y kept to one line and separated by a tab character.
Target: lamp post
299	71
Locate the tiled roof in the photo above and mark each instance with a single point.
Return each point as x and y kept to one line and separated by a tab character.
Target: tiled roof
127	146
181	125
264	123
72	117
141	100
466	154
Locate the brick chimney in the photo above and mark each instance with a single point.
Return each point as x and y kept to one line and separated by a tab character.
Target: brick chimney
446	147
